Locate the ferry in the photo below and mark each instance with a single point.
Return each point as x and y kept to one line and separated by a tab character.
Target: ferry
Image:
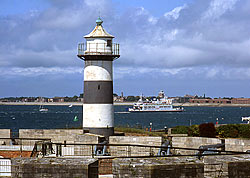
160	105
246	119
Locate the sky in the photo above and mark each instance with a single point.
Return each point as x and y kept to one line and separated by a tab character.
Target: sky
183	47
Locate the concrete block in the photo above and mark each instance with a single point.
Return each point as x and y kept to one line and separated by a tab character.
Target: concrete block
54	168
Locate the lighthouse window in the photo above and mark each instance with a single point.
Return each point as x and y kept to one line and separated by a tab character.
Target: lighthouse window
99	87
109	43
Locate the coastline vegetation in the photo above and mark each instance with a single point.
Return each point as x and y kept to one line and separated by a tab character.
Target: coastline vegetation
209	130
203	130
137	131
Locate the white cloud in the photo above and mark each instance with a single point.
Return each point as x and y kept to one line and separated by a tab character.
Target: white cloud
175	13
218	7
38	71
183	39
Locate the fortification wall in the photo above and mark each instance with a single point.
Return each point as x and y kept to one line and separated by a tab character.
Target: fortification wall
237	144
5	133
54	167
162	167
56	135
133	150
192	142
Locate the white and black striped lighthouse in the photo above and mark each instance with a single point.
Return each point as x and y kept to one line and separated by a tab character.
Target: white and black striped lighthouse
98	54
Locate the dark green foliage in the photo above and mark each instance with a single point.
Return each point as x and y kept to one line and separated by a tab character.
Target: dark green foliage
228	131
207	130
244	130
132	98
193	131
180	130
234	131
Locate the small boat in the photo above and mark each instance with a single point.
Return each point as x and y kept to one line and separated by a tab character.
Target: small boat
70	106
160	105
75	118
42	109
246	119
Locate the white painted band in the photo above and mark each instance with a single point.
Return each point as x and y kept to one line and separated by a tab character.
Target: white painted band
98	115
98	70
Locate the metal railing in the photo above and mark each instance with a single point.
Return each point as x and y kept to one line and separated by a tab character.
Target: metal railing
98	49
22	146
127	151
5	167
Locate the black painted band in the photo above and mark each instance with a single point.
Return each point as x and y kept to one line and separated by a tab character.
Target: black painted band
92	57
98	92
99	131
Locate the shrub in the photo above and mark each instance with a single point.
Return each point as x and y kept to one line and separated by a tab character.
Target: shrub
180	130
194	131
207	130
244	130
230	130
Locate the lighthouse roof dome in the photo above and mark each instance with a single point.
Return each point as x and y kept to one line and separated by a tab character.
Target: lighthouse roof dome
99	31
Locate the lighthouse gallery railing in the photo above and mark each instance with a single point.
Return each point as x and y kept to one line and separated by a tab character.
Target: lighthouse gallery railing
98	49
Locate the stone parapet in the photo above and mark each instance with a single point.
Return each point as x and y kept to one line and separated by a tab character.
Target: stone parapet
56	135
232	144
134	150
192	142
158	167
54	167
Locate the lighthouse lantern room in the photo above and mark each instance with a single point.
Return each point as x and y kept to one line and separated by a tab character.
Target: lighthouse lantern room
98	53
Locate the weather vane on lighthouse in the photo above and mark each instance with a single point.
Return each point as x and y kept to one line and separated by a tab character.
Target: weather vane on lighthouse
98	53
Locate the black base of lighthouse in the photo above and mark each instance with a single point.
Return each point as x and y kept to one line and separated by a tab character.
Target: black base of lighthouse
100	131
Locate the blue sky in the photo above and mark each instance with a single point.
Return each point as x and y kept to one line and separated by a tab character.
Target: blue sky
181	47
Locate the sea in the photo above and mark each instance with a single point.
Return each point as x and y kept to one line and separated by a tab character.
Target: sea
17	117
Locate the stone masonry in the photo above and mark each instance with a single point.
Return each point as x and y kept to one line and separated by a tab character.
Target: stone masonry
133	150
192	142
158	168
56	135
54	168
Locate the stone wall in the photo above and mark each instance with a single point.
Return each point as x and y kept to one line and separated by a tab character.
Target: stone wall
4	133
237	144
239	169
192	142
85	150
54	168
134	150
224	166
158	168
56	135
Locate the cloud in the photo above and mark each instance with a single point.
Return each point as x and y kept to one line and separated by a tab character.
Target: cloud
218	7
201	35
39	71
175	13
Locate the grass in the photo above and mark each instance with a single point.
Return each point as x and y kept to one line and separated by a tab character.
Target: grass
134	131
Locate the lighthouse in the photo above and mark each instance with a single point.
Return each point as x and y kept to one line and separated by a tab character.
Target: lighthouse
98	54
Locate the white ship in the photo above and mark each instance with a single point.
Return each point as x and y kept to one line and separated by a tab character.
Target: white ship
160	105
42	109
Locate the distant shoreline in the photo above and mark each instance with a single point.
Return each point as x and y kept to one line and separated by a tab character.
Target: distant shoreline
210	105
127	103
57	103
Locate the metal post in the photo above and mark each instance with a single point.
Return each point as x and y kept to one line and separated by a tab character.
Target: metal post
92	151
60	151
57	150
21	149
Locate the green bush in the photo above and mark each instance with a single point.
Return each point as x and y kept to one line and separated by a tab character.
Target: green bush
207	130
180	130
193	131
244	130
228	131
